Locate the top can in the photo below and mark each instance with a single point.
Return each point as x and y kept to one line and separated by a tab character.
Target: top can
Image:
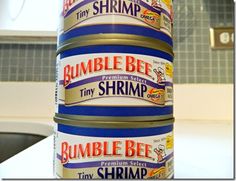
152	18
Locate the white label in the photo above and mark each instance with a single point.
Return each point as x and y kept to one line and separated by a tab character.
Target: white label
90	157
114	79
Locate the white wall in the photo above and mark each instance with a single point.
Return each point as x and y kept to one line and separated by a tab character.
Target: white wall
203	101
197	101
26	99
36	15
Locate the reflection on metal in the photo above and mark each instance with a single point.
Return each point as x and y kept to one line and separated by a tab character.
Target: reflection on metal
222	38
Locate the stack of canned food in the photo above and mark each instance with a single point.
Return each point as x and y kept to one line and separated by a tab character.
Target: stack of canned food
114	90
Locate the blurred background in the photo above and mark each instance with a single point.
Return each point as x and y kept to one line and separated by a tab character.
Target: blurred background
195	60
203	71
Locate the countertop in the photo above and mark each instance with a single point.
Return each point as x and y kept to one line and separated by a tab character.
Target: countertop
203	149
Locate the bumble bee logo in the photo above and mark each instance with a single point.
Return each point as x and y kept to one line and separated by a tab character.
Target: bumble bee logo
157	95
160	74
150	17
159	173
160	152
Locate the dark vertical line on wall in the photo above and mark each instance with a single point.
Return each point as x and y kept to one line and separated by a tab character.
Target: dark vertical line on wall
218	57
1	62
34	62
49	67
41	65
186	44
210	52
27	58
9	66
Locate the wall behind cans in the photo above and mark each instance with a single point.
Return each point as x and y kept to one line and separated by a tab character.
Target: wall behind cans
29	15
27	62
195	61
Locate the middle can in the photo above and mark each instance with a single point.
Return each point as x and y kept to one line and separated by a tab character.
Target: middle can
121	78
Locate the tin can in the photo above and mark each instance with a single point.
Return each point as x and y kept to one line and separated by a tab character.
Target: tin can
113	82
139	17
113	150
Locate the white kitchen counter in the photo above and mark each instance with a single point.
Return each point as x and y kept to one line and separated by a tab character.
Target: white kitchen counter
203	149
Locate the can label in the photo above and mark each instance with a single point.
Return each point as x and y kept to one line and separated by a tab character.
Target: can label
88	153
131	12
114	79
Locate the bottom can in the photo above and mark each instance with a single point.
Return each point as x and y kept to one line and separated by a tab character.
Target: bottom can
113	150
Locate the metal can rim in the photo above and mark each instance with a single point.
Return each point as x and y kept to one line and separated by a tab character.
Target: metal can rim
96	30
113	118
114	124
116	39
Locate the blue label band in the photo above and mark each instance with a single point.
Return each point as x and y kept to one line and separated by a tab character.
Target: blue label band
115	111
93	79
99	78
115	49
116	28
117	133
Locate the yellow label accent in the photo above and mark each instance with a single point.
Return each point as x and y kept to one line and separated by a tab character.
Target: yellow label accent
160	172
169	142
167	3
169	70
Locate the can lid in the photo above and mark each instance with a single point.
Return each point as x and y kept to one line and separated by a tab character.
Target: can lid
114	124
116	39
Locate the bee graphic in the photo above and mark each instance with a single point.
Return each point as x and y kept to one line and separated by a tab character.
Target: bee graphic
160	74
160	151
